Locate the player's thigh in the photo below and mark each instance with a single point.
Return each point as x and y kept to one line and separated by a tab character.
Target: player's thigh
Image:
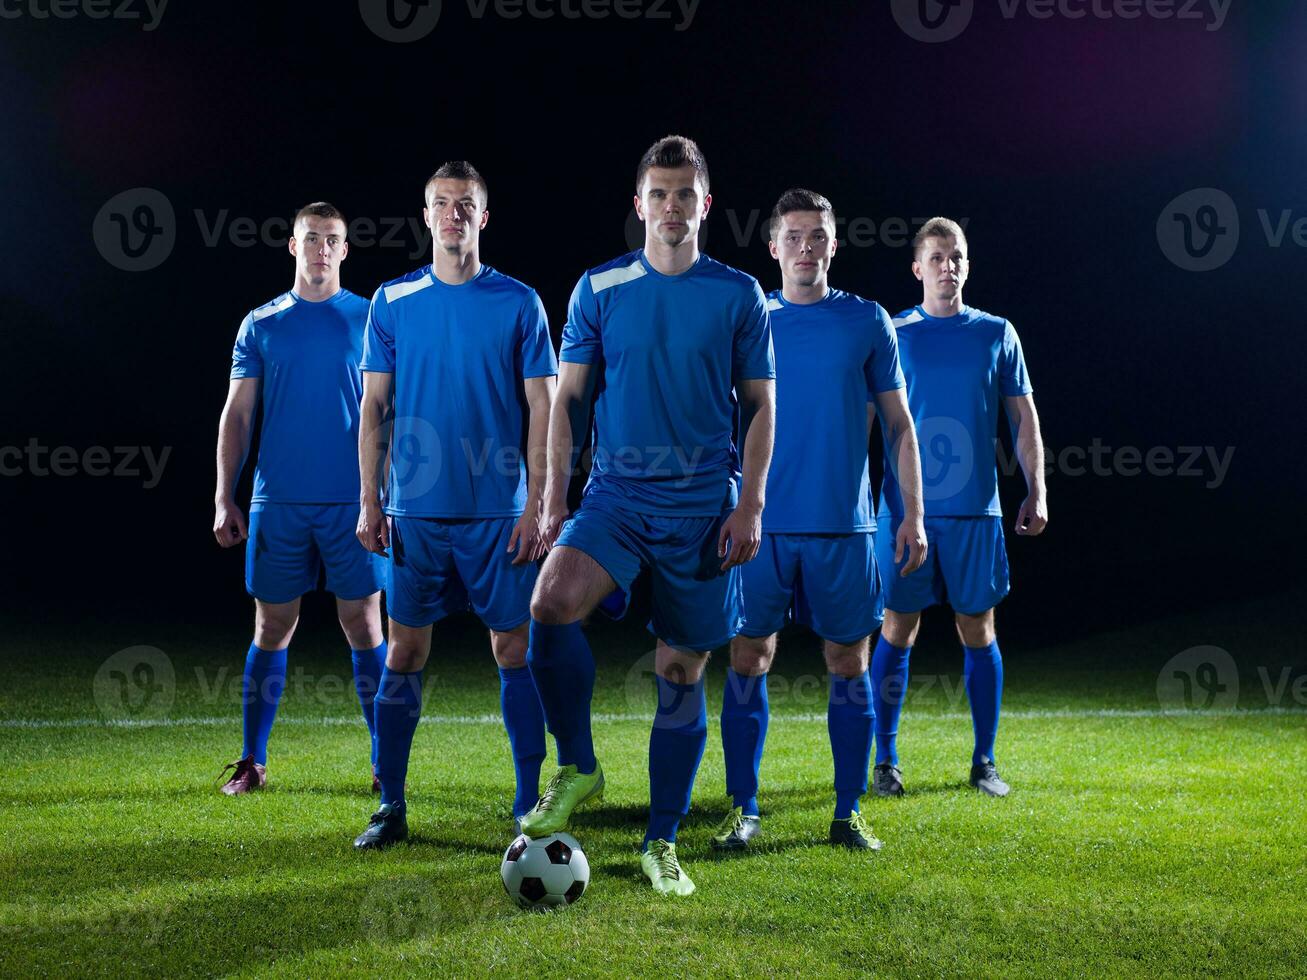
281	556
598	551
696	606
353	572
839	596
973	562
768	583
570	585
910	593
498	590
422	583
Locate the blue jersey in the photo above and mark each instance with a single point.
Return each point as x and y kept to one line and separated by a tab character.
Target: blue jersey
307	357
669	350
832	358
958	368
459	355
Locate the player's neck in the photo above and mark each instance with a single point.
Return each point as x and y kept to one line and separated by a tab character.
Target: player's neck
315	292
671	260
942	308
456	268
802	295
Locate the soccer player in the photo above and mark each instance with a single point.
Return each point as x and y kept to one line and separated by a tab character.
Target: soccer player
299	354
458	354
836	361
960	363
674	338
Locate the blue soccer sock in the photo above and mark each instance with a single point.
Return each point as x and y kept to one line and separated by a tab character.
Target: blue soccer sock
564	672
983	677
850	719
525	723
744	730
397	707
261	687
676	743
889	687
368	665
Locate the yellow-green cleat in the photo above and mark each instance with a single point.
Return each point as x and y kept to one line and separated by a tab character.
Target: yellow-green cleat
736	830
566	790
659	864
854	832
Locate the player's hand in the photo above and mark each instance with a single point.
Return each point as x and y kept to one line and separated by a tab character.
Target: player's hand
740	536
229	525
374	530
553	514
910	539
1033	516
526	537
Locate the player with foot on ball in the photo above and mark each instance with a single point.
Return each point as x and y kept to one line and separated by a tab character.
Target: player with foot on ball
960	364
836	361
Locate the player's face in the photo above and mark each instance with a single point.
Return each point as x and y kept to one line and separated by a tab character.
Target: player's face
942	266
671	204
319	247
804	246
455	213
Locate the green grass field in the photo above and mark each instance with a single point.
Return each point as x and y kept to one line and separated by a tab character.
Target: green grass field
1135	841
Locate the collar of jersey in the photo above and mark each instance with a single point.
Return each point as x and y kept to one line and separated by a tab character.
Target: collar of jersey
830	295
960	315
680	276
335	297
437	281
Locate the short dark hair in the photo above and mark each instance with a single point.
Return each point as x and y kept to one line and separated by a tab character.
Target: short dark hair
799	199
459	170
671	152
318	209
937	228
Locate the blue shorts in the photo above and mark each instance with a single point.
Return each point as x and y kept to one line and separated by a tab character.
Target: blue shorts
696	605
289	545
441	566
827	582
966	565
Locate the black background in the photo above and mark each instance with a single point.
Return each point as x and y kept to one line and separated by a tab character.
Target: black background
1059	141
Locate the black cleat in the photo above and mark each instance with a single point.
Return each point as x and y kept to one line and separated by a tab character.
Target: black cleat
854	832
386	827
985	778
887	780
736	830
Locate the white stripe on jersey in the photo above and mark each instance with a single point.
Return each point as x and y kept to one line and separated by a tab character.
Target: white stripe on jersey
913	317
401	289
774	304
266	311
615	277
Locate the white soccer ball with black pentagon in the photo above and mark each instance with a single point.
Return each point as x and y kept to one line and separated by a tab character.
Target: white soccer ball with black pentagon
548	872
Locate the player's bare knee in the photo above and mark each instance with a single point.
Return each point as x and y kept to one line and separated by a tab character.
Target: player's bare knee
550	604
680	665
975	631
900	629
752	656
509	648
274	624
360	620
846	660
408	649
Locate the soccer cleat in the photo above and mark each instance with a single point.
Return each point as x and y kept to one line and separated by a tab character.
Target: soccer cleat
249	775
736	830
387	826
887	780
566	790
659	864
854	832
985	778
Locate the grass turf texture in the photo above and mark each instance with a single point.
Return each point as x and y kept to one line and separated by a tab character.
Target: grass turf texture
1132	842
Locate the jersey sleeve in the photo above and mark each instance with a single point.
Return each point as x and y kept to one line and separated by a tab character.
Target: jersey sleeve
379	337
246	358
883	371
535	349
1012	376
753	358
582	339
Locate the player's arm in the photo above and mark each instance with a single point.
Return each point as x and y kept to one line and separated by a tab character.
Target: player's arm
743	528
1033	516
234	430
567	419
905	457
374	441
526	540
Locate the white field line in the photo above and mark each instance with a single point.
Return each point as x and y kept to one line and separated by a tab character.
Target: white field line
495	719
